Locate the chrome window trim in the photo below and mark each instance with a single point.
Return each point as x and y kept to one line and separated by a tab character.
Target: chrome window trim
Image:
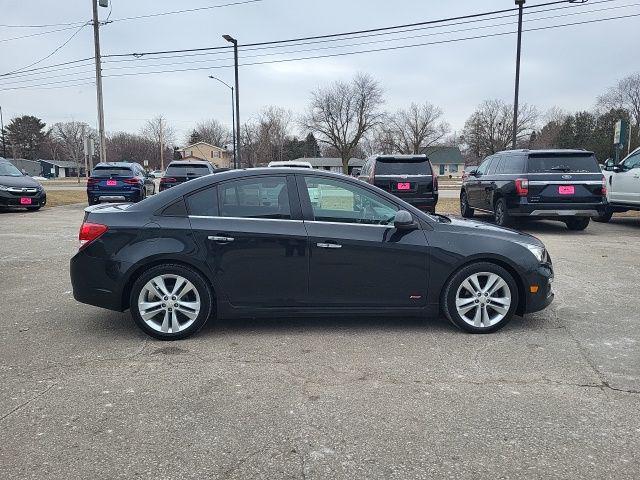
349	223
246	218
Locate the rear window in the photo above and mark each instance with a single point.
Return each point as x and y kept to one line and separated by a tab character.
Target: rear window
563	163
187	170
404	166
112	172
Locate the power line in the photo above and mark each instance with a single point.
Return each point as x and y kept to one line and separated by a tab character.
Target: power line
71	62
51	54
188	10
48	32
44	87
43	25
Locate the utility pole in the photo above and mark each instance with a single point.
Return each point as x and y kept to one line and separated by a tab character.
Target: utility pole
520	4
238	156
4	147
96	44
161	145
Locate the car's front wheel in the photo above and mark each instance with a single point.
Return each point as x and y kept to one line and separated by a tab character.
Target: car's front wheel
465	210
480	298
171	302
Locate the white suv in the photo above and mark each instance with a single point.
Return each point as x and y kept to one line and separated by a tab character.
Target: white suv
623	185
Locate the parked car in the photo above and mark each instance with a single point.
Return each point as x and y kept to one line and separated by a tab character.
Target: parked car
565	185
156	173
623	186
180	171
18	189
118	182
409	177
278	242
290	163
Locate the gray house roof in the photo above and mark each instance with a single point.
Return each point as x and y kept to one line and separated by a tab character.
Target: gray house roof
330	161
442	154
59	163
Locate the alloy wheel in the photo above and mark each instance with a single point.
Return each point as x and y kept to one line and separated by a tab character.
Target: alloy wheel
169	303
483	299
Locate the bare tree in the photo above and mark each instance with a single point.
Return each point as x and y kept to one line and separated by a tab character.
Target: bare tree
212	131
343	113
488	130
410	130
71	135
625	94
159	132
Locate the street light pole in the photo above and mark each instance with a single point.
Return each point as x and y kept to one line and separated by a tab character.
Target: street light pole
238	155
4	147
233	118
520	4
96	46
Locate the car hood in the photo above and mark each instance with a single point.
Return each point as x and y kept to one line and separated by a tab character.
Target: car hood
24	182
474	227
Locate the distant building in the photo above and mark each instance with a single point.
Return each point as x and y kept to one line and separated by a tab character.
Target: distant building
330	163
445	160
59	168
218	156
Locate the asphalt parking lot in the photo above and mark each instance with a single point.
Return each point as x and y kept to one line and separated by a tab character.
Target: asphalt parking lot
84	394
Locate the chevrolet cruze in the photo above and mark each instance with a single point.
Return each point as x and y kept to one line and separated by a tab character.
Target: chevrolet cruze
296	242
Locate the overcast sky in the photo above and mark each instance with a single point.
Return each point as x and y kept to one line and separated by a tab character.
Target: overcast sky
564	67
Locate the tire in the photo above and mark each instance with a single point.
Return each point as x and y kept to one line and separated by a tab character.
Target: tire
499	307
603	218
157	317
577	223
500	214
465	210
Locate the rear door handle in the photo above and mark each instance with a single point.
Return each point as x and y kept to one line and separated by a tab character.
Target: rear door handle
215	238
328	245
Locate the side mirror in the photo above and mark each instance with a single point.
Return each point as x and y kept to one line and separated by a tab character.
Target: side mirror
404	221
473	172
609	165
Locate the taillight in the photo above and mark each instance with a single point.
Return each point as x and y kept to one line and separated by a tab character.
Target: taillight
435	183
522	187
604	187
93	181
90	232
167	180
132	181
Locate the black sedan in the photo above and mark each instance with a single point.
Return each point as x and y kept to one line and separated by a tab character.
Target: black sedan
296	242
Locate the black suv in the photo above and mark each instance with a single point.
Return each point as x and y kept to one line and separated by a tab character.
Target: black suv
181	171
409	177
565	185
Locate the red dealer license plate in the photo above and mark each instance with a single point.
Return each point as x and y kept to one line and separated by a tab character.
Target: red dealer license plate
111	183
404	186
25	201
566	189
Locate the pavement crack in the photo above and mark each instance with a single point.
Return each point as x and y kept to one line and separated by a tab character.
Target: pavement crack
24	404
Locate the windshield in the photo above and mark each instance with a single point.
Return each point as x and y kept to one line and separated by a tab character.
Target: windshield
563	163
185	170
8	170
404	166
102	172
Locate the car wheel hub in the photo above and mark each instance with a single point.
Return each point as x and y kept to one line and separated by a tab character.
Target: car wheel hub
169	303
483	299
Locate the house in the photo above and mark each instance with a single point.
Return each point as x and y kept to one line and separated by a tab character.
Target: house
330	163
446	161
218	156
60	168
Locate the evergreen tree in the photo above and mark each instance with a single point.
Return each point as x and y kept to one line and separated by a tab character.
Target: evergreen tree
311	147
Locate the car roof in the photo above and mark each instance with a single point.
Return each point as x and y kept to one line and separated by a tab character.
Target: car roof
399	157
190	162
116	164
547	151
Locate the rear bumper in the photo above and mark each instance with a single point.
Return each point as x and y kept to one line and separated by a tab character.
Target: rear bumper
543	279
551	210
428	203
114	196
97	282
8	199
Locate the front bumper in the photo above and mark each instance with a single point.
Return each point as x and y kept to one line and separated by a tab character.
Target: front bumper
12	199
542	278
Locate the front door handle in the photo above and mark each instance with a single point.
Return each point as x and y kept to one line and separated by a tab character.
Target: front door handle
328	245
215	238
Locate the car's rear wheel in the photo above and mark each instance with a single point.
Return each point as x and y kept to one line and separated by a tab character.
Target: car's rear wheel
171	302
500	214
480	298
465	210
603	217
577	223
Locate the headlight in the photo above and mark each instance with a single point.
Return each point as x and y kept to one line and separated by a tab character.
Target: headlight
539	252
3	188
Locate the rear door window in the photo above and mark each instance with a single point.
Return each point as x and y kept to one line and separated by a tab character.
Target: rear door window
404	166
107	172
265	197
184	170
562	163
